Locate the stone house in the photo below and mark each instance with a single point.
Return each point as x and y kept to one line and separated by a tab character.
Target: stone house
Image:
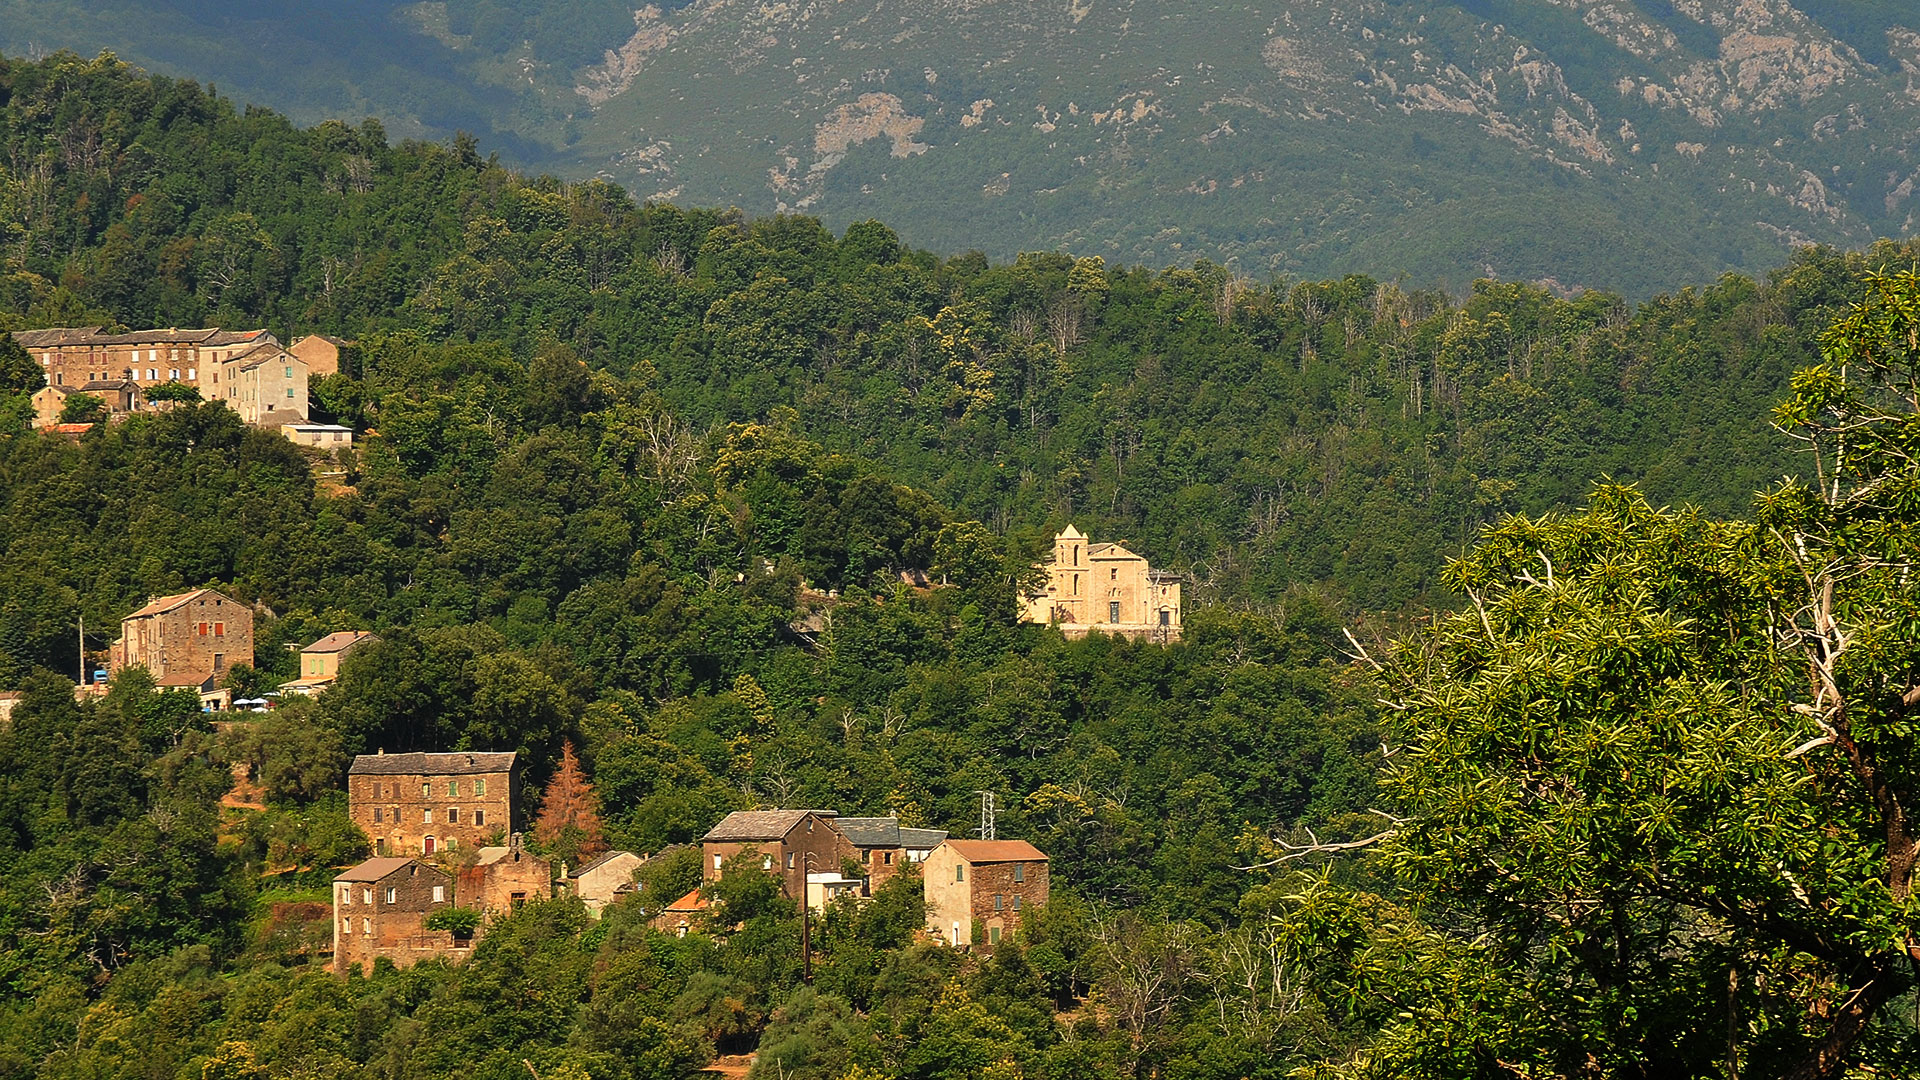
790	844
266	385
48	401
684	915
380	908
603	880
188	640
1107	588
74	356
423	804
504	878
320	352
883	847
320	661
982	887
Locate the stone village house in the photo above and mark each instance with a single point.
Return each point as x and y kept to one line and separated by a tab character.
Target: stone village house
421	804
982	887
790	844
248	369
190	640
380	908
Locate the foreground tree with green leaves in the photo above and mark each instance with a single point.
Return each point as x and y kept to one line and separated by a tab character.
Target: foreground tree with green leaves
1652	788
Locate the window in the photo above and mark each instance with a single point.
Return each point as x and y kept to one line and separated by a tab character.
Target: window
1165	617
1076	584
999	902
1019	871
959	871
453	789
480	785
453	815
1113	573
993	935
376	815
789	860
289	375
426	791
289	391
426	817
393	894
439	894
173	373
1016	901
716	864
427	845
193	374
346	896
366	925
219	629
479	817
887	858
346	926
1113	611
866	856
766	862
201	629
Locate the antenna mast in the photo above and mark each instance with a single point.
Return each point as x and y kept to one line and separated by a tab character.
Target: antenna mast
986	815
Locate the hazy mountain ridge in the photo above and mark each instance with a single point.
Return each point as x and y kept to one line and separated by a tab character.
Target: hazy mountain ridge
1629	144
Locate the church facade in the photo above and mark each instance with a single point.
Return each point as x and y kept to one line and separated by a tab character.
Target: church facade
1107	588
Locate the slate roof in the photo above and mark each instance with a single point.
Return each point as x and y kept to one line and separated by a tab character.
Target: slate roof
455	764
922	839
871	832
990	851
338	642
761	824
373	869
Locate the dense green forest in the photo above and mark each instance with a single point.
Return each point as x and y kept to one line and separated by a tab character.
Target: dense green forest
647	478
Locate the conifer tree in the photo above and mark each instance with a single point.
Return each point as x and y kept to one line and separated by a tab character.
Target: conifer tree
569	826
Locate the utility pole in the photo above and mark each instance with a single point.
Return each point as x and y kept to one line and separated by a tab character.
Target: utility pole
987	808
806	923
83	648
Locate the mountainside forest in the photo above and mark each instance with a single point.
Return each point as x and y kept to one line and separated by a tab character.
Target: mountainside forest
1631	146
657	481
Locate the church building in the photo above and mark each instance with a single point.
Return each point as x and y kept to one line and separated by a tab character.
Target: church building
1107	588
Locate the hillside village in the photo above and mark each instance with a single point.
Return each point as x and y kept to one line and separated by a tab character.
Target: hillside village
139	371
445	828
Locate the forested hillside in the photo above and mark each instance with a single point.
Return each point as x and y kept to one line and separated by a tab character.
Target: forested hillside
647	478
1627	146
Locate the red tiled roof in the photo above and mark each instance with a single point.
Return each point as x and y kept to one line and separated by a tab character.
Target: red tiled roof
979	851
338	642
166	603
693	901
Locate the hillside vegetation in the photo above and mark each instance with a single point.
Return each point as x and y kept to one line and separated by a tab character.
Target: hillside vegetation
1630	147
647	478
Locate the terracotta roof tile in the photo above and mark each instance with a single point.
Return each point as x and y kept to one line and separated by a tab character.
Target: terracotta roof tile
979	851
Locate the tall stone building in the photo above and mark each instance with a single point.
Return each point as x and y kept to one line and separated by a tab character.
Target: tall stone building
789	844
1107	588
979	891
423	804
188	640
380	908
247	369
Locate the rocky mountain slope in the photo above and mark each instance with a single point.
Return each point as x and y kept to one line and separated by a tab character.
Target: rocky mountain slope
1625	144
